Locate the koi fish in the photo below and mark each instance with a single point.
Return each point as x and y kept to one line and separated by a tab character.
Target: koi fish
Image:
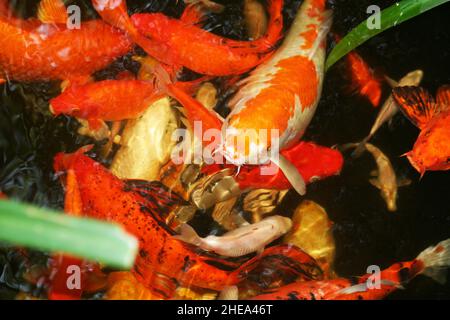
315	163
363	78
146	144
431	150
115	100
241	241
285	89
389	108
386	179
107	100
431	262
35	51
140	206
177	42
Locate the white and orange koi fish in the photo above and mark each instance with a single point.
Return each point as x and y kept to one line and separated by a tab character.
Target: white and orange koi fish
281	94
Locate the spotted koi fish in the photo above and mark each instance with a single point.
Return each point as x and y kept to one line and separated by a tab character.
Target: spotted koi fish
140	207
31	50
432	262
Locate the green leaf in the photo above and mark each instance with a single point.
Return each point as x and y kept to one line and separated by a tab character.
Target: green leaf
390	17
47	230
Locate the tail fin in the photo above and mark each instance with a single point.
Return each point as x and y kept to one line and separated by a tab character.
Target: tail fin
188	234
360	148
436	260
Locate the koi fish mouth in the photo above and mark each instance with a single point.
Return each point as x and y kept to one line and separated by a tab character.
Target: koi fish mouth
57	107
417	165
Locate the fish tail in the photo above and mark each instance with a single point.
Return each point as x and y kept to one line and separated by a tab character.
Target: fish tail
436	260
360	148
188	234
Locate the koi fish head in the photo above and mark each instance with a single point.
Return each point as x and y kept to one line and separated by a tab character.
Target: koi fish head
416	162
65	161
68	102
390	197
244	146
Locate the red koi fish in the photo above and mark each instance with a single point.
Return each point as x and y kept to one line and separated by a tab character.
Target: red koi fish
35	51
178	42
431	150
364	81
139	207
312	161
363	78
431	262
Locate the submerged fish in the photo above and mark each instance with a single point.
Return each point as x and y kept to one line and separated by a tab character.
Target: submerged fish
432	148
312	230
364	80
431	262
241	241
180	43
146	144
389	108
386	179
139	206
34	51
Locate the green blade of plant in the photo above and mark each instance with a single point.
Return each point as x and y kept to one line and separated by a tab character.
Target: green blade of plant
49	230
391	16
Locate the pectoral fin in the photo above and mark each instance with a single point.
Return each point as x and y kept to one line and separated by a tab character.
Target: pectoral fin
52	11
403	182
375	183
291	173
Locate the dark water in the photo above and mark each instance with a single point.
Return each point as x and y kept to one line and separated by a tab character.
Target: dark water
366	233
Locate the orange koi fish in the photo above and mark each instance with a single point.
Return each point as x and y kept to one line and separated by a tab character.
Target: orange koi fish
363	77
364	80
431	262
34	51
108	100
115	100
432	148
282	93
139	206
178	42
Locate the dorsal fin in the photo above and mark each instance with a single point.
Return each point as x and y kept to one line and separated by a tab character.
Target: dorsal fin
416	103
443	97
52	11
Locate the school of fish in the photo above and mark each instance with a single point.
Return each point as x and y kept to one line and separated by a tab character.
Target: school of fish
276	80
